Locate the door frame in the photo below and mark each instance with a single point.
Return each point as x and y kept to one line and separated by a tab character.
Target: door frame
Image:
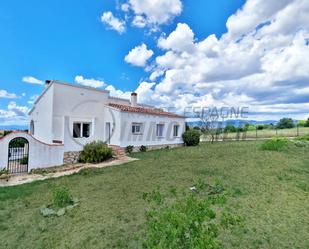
108	132
20	161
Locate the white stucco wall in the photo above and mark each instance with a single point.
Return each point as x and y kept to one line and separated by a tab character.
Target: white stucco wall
63	104
148	136
40	155
42	116
81	105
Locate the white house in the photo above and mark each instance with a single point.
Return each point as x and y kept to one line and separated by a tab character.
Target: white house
74	115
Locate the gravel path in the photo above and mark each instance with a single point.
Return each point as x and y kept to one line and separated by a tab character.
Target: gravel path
27	178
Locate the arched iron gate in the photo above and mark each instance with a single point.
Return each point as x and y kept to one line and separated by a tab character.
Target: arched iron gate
18	156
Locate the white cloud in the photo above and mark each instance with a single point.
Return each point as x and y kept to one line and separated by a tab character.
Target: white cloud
117	93
179	40
18	110
32	99
6	95
152	13
261	62
139	21
89	82
139	55
125	7
14	115
32	80
113	22
253	13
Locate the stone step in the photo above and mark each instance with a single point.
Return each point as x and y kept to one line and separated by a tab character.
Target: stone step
118	151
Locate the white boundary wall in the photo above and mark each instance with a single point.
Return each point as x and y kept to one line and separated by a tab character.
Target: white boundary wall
41	155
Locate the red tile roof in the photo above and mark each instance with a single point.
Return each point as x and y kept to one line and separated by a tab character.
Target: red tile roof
150	111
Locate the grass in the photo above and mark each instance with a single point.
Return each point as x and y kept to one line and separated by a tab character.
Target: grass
268	190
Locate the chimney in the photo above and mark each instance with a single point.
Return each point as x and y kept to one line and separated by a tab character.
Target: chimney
47	82
133	99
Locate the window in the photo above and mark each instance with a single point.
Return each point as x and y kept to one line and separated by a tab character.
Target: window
176	130
32	127
137	128
81	130
160	128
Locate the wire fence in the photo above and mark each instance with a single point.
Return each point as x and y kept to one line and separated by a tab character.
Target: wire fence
221	134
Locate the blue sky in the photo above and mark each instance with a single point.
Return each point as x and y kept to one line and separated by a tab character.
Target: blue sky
65	39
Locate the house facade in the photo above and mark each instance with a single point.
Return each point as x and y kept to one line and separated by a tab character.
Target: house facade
74	115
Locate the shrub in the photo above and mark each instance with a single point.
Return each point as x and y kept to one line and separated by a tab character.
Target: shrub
95	152
62	197
249	127
4	171
275	144
286	123
301	143
143	148
301	123
303	138
260	127
307	123
187	222
230	128
24	160
129	149
191	137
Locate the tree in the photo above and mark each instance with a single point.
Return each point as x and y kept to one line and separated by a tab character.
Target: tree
230	128
285	123
307	123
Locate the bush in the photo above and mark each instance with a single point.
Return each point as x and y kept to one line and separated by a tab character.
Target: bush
301	123
62	197
286	123
191	137
95	152
230	128
301	143
24	160
260	127
275	144
129	149
249	127
307	123
187	222
4	171
143	148
303	138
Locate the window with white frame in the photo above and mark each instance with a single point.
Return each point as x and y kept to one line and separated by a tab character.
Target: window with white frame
176	130
160	130
81	129
137	128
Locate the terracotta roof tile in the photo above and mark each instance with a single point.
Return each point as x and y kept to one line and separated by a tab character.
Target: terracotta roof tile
137	109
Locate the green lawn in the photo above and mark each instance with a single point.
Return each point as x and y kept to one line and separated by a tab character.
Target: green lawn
269	190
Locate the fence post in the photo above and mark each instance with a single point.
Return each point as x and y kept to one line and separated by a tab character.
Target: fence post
297	130
276	131
256	133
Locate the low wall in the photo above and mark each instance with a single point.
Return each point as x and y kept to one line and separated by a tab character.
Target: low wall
41	155
71	157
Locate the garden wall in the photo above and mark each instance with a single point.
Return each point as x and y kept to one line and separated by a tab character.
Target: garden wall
41	155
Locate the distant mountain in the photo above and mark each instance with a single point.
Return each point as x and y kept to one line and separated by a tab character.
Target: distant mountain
235	122
13	127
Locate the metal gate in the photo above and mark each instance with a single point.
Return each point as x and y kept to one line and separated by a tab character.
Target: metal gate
18	155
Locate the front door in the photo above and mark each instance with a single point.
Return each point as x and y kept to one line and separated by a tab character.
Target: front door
108	132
